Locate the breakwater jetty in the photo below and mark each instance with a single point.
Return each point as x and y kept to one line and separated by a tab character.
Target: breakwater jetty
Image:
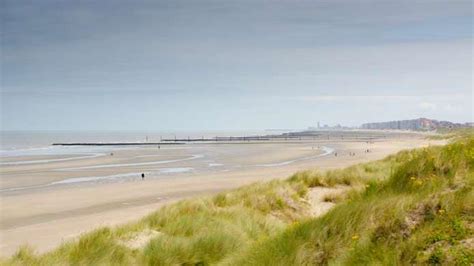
276	138
117	144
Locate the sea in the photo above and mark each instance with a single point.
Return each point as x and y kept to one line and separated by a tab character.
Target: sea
19	143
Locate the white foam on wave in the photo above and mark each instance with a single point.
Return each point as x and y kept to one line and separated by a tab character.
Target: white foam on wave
58	150
215	164
78	153
48	150
326	151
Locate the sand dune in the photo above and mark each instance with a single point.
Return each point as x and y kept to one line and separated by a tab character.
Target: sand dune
46	215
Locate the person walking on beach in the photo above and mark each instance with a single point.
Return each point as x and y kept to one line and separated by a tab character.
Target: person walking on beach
143	176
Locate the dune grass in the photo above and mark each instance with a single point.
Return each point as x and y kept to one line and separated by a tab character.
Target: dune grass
452	133
422	214
198	231
415	207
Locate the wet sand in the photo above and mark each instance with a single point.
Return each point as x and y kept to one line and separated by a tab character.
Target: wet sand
46	202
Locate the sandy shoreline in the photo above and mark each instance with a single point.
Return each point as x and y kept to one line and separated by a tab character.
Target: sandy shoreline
45	218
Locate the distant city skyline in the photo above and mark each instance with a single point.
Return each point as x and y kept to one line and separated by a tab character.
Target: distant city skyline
232	65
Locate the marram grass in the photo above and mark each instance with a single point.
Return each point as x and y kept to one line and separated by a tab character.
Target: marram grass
415	207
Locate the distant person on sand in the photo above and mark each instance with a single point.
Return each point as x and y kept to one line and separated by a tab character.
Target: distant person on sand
143	176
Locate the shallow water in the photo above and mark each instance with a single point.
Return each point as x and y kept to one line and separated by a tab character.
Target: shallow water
24	169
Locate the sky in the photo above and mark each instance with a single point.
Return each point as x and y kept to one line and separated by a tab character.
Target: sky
232	65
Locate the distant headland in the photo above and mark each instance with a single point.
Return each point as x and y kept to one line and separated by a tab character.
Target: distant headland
420	124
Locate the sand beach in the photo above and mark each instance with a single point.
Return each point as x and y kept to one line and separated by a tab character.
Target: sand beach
50	198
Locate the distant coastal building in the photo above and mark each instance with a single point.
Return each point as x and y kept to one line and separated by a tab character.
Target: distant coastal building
414	124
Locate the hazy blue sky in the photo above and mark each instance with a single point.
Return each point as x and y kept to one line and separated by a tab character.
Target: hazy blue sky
188	65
